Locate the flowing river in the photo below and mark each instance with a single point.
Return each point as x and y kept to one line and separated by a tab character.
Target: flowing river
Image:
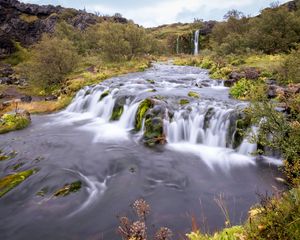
183	178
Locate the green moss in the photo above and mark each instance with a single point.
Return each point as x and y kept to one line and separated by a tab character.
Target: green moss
12	122
184	101
154	131
42	192
68	189
17	166
104	94
20	55
3	157
242	126
141	112
11	181
117	112
194	94
151	81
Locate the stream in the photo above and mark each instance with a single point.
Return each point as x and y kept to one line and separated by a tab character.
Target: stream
180	180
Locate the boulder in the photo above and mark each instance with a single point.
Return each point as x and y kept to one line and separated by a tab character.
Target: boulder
51	98
251	73
26	99
235	76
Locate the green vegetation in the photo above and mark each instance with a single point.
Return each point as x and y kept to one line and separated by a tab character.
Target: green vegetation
193	94
276	218
12	122
11	181
184	101
144	106
68	189
233	233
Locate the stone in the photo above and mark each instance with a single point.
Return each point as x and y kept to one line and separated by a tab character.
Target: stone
26	99
51	98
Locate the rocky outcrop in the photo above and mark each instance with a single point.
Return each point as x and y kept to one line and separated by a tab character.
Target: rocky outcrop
25	23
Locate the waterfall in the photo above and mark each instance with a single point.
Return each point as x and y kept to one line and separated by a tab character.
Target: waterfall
204	125
196	42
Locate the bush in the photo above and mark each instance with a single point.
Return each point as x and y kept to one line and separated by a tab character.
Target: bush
241	89
51	60
290	71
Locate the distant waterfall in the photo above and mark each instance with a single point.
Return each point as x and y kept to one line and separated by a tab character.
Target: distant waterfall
196	42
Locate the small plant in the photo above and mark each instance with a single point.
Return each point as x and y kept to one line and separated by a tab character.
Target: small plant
137	230
241	89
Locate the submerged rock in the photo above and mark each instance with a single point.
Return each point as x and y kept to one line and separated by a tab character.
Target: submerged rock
11	181
68	189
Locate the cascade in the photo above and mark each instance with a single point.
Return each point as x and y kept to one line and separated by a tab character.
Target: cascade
196	42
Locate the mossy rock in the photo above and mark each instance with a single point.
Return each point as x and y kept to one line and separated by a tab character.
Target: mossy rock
242	126
193	94
11	181
117	112
154	134
3	157
150	81
104	94
144	106
184	101
14	121
68	189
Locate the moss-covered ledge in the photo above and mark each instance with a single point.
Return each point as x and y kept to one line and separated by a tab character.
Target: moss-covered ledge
14	121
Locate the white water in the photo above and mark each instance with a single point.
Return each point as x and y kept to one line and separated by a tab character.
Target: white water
204	127
196	42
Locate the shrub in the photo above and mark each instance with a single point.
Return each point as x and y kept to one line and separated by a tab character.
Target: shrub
241	89
290	70
51	60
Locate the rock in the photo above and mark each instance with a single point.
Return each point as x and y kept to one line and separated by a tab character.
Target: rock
26	99
251	73
184	101
50	98
154	132
272	91
271	82
6	81
11	181
229	83
193	94
68	189
6	70
144	106
235	76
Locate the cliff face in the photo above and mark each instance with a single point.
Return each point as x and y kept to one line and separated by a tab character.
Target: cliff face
25	23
